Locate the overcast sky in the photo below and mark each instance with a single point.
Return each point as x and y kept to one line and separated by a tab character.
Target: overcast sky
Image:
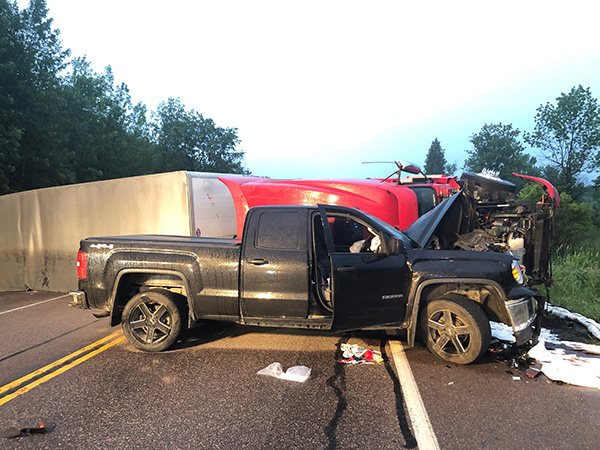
316	88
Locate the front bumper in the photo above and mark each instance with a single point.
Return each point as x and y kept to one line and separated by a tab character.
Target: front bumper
523	313
79	300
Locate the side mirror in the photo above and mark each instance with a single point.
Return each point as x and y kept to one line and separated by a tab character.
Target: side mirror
395	246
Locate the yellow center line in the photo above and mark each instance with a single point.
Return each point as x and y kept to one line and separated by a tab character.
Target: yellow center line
59	362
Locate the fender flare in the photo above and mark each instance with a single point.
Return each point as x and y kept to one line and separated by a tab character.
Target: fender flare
117	283
416	298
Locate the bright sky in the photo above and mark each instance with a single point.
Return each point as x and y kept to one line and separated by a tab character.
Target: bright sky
316	88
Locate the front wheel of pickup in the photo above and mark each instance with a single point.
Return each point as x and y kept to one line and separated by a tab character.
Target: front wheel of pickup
151	320
455	329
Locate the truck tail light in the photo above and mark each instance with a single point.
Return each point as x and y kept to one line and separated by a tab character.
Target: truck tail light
82	258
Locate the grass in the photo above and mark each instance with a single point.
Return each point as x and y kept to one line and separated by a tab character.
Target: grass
577	271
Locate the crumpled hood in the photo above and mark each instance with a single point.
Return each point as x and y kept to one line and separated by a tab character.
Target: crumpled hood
422	230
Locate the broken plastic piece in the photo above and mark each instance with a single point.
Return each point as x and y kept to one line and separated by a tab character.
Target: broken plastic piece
295	373
534	370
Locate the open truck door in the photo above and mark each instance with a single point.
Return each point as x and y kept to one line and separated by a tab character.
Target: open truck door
369	284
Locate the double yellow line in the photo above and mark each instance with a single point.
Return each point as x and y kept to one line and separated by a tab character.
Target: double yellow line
8	392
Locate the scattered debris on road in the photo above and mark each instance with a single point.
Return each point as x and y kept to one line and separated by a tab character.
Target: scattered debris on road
354	354
563	361
295	373
14	432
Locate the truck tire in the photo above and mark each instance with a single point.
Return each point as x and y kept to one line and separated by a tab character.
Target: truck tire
152	320
455	328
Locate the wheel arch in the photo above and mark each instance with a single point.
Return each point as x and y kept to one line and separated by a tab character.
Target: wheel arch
129	282
488	294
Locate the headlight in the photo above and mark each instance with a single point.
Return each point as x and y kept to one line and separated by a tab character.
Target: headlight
522	312
517	272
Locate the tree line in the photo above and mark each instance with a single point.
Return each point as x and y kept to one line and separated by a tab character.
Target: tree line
61	122
567	136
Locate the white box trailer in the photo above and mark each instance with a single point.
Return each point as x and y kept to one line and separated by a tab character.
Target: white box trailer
40	229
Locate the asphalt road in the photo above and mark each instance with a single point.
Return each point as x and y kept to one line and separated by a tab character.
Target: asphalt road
205	393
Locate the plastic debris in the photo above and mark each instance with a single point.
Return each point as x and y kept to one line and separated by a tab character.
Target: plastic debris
354	354
295	373
534	370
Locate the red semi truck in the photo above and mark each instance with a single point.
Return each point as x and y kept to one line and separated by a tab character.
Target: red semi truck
489	217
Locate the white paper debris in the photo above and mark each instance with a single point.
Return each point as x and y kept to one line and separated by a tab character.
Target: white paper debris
571	362
502	332
295	373
574	363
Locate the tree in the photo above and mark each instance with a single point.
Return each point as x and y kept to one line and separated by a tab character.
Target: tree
188	141
30	100
10	120
106	136
568	135
435	162
497	147
59	126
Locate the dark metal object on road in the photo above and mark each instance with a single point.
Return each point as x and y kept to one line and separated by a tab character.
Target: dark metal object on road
14	432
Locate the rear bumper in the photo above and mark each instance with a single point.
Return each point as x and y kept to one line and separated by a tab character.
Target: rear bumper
79	300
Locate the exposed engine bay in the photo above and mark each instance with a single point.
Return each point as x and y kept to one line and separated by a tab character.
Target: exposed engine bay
486	217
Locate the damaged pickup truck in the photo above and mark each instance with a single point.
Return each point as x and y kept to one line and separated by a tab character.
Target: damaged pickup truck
320	267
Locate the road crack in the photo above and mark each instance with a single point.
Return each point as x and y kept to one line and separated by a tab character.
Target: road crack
337	382
409	438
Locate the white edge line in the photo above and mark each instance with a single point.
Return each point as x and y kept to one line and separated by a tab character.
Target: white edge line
422	428
33	304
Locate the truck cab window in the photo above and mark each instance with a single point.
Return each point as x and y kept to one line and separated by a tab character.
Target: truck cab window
426	198
278	230
353	236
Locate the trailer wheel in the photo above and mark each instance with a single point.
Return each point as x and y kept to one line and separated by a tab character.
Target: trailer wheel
455	328
151	320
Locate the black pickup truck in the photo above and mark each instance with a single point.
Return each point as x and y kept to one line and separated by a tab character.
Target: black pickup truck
320	267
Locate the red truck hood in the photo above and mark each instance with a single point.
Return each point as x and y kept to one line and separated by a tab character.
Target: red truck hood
551	190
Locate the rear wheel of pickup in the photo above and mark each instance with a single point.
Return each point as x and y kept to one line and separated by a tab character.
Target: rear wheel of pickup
455	329
151	320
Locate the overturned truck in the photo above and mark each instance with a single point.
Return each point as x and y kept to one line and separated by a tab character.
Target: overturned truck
42	228
337	268
487	218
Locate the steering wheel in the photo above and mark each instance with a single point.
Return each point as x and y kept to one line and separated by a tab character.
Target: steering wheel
366	247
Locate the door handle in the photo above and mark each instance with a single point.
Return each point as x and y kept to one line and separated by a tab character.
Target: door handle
259	262
346	269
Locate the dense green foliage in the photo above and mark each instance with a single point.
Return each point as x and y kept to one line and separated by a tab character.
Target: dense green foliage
61	123
577	271
497	147
574	221
568	134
